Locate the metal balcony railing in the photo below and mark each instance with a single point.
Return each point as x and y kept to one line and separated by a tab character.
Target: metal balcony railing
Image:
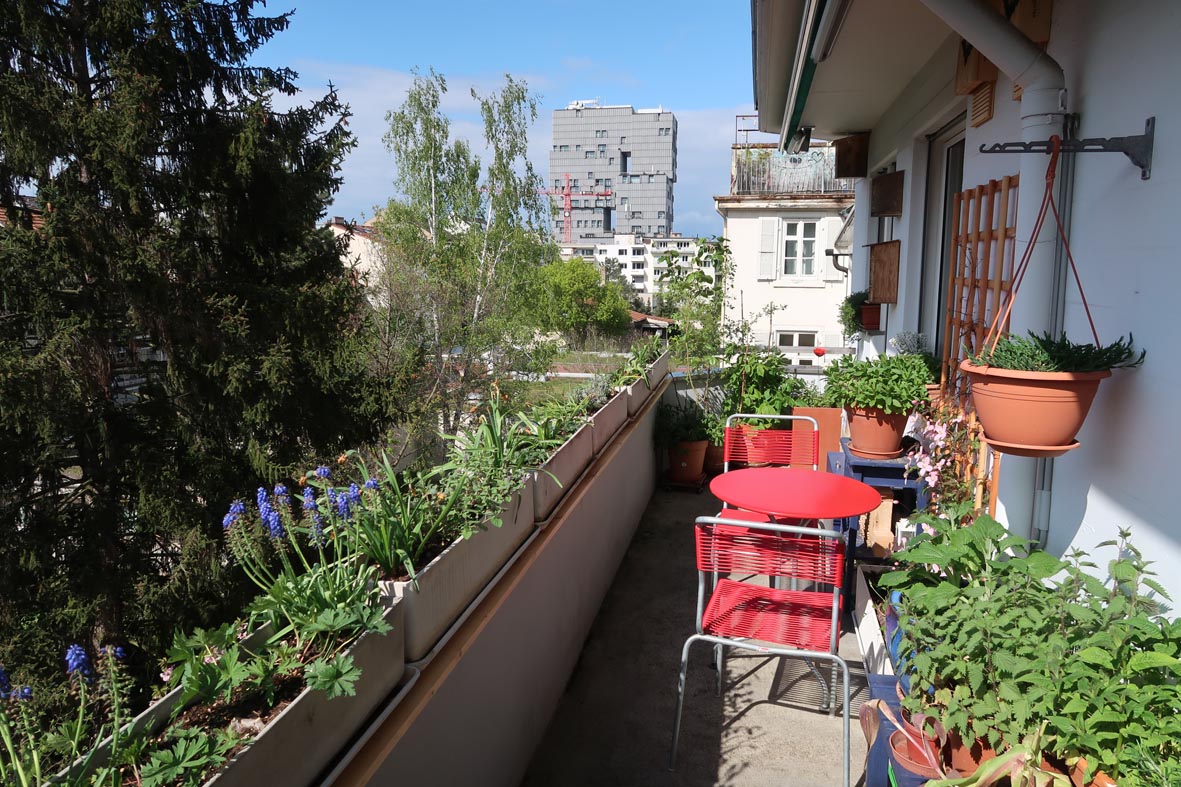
763	170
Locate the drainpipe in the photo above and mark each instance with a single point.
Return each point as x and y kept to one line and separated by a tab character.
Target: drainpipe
1043	111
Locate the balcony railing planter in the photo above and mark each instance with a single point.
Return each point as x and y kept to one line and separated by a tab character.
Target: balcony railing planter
637	393
557	476
151	721
298	744
607	421
439	594
657	371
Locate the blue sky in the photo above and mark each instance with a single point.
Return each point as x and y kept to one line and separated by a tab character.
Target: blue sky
690	57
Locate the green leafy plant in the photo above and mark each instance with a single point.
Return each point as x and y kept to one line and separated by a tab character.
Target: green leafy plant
1007	643
849	312
189	756
337	677
892	383
679	423
1046	353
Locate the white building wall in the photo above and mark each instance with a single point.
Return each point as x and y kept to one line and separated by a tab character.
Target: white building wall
805	303
1119	60
638	257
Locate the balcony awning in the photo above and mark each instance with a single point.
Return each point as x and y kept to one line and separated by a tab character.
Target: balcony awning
870	52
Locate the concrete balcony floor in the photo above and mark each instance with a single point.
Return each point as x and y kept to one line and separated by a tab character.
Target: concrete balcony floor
614	723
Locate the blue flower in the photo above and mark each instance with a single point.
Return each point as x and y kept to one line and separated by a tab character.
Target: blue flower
268	515
118	652
77	660
323	472
343	507
354	493
371	483
26	693
237	509
309	500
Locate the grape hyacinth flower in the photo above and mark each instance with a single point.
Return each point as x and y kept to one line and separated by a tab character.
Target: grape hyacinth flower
268	515
343	507
354	494
323	472
77	660
281	495
237	509
309	505
371	483
25	694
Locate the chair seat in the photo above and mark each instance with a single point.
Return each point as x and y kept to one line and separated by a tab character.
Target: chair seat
796	619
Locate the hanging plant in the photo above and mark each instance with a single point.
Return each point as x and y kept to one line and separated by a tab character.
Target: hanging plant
1032	394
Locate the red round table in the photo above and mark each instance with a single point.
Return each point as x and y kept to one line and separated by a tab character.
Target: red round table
795	493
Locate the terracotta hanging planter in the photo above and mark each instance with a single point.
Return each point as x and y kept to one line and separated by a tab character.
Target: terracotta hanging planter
1031	413
876	434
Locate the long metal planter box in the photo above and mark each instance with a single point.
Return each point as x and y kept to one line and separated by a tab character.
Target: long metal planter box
444	589
558	474
301	742
607	422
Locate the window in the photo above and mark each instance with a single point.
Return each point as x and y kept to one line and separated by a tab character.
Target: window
623	203
636	214
590	176
651	178
574	183
578	147
638	252
611	161
660	214
797	346
590	154
623	252
659	229
799	248
600	133
557	183
563	147
602	148
607	182
638	265
637	278
602	154
555	147
637	229
623	140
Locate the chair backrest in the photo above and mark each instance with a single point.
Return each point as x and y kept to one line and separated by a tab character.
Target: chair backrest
767	549
750	445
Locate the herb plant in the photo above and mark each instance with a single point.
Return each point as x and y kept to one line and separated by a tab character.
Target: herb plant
1045	353
679	423
849	312
892	383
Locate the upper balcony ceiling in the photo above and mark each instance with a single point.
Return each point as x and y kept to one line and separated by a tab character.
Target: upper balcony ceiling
878	50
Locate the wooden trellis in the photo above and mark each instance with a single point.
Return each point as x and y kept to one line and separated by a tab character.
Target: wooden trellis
983	232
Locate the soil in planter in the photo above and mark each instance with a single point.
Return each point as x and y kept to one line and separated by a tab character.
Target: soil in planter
245	704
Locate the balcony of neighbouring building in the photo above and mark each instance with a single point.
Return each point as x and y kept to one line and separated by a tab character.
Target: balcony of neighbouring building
758	168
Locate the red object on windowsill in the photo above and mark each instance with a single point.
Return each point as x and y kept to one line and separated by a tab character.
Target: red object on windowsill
819	352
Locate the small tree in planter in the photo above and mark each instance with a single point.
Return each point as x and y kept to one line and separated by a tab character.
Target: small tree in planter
878	395
1033	394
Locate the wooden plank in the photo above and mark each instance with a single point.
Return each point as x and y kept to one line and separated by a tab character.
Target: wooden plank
852	156
886	194
982	285
883	271
956	200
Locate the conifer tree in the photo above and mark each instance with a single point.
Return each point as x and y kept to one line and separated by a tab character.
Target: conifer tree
176	326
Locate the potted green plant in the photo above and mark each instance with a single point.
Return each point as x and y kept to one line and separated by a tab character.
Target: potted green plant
1033	393
680	429
878	395
857	315
564	446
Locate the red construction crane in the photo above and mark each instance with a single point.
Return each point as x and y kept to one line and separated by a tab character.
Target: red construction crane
565	192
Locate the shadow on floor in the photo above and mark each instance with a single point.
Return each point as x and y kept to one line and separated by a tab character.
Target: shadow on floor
614	723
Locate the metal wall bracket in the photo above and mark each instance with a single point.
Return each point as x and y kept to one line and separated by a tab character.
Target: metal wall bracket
1138	148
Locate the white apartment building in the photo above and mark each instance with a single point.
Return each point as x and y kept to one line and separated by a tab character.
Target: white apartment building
637	257
781	218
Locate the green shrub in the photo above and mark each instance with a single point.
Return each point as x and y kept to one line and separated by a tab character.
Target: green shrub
892	383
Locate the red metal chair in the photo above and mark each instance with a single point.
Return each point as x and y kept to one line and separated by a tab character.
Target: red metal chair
770	446
803	623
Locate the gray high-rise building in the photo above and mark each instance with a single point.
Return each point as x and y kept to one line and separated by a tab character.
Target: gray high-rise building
631	153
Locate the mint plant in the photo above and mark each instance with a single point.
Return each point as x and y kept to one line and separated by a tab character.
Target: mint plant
892	384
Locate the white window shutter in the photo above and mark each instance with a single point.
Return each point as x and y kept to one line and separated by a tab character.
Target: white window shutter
768	247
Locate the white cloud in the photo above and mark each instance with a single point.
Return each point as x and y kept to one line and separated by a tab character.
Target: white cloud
703	145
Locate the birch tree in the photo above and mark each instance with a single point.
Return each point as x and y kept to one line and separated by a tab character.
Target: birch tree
461	242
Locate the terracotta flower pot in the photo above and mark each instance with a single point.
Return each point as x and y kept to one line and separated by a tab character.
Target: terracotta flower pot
934	393
714	459
1077	777
871	316
1031	413
929	742
875	434
966	759
686	460
912	772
